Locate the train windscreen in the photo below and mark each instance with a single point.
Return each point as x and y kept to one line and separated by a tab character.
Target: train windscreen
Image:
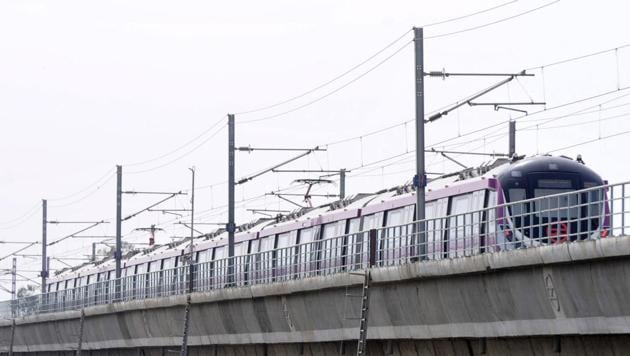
554	206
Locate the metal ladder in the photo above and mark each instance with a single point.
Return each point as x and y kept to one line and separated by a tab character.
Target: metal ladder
365	307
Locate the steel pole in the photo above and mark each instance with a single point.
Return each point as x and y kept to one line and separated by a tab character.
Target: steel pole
231	225
342	184
118	253
420	173
512	148
44	244
192	232
13	279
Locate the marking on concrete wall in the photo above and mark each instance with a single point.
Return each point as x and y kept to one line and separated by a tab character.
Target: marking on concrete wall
552	294
285	310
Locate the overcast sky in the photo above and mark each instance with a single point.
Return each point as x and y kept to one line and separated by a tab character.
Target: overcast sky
87	85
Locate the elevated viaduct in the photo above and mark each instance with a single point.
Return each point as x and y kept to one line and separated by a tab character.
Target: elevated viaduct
567	299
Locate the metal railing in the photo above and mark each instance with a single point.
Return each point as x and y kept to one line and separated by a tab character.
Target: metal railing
560	218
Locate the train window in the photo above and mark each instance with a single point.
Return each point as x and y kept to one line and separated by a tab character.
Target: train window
595	198
309	234
285	255
240	249
354	225
554	184
460	224
435	214
334	229
254	246
287	239
168	263
516	195
332	244
399	233
555	206
267	243
142	268
220	253
155	266
373	221
355	243
205	255
307	253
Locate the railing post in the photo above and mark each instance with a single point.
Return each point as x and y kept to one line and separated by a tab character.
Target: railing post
80	342
12	337
372	246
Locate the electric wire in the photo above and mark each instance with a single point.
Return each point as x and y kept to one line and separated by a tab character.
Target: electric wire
473	28
590	141
368	59
168	163
179	148
332	92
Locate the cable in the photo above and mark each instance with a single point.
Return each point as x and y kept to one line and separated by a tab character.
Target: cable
186	144
389	57
368	59
86	196
580	123
20	219
590	141
181	156
491	23
563	61
309	103
66	197
299	96
468	15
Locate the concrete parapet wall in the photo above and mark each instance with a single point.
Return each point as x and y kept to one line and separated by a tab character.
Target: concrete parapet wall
580	288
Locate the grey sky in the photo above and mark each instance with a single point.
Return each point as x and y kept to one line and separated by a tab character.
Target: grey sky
87	85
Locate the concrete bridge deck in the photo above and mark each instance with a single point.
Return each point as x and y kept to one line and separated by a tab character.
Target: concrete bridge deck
549	300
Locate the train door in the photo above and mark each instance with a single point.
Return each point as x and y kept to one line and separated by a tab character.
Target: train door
333	237
240	254
373	221
252	259
355	256
266	258
307	254
219	267
285	255
396	240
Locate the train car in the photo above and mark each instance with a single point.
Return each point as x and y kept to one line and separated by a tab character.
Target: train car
502	205
546	212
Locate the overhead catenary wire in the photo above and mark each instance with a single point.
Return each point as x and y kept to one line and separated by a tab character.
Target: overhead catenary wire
332	92
367	60
473	28
320	98
180	147
590	141
168	163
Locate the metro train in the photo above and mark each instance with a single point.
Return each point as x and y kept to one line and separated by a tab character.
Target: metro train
461	221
